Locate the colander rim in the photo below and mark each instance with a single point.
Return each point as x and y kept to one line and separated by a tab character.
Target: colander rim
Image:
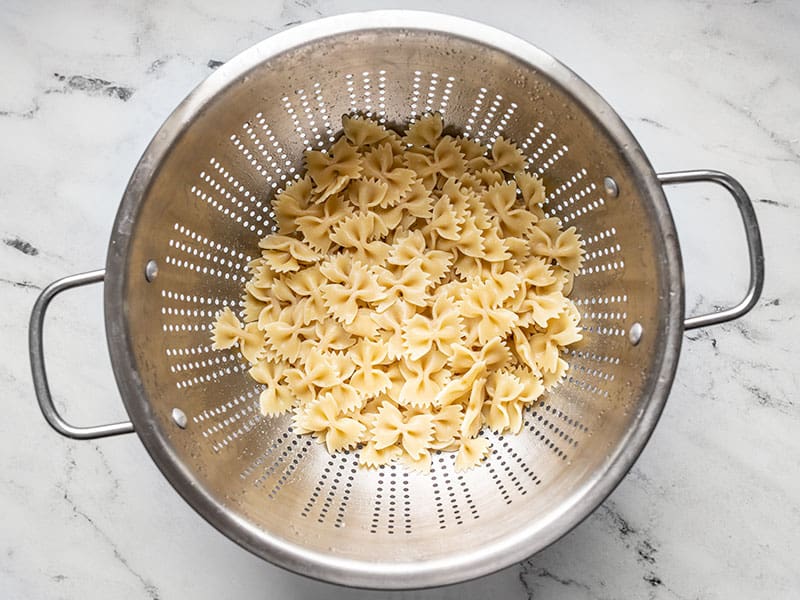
396	575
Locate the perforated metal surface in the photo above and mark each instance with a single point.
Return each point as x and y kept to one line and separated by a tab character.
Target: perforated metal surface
199	202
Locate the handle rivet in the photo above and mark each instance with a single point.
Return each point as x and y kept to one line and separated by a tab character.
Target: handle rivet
635	334
179	417
151	270
612	189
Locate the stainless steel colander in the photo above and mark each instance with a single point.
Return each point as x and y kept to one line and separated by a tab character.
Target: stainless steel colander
190	220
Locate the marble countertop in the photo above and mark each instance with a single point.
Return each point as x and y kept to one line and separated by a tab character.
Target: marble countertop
712	507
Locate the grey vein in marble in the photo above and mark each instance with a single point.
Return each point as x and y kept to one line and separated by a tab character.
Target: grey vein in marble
91	85
21	245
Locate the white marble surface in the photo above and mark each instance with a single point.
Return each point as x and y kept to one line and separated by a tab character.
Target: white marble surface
712	508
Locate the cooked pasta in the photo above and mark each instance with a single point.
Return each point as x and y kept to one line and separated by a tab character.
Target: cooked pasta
415	293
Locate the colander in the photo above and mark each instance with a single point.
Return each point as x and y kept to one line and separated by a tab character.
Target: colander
199	201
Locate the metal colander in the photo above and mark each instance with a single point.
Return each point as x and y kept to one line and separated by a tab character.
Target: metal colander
199	201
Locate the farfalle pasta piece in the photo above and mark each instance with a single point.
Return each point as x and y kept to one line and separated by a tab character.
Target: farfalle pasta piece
564	330
252	307
482	305
359	229
568	250
446	422
540	307
471	150
523	349
367	194
347	397
343	362
493	354
445	223
363	132
532	384
360	234
471	452
458	388
424	379
551	378
410	284
322	418
396	381
227	329
332	171
336	268
316	372
393	321
473	412
310	309
417	202
379	164
533	192
363	325
331	336
502	279
359	288
518	248
425	132
470	181
442	330
252	343
392	217
564	247
270	312
291	203
445	161
512	220
480	214
316	228
276	400
286	336
495	249
368	378
412	245
561	332
277	397
565	280
263	278
413	434
470	260
536	272
459	195
306	282
489	177
504	388
506	156
436	264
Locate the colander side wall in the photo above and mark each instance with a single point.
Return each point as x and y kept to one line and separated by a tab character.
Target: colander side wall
198	202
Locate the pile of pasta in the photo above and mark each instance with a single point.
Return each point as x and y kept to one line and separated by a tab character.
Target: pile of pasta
413	294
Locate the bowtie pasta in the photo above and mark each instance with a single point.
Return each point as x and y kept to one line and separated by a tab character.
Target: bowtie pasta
414	294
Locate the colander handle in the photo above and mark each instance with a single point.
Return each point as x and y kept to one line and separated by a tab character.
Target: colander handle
752	234
36	350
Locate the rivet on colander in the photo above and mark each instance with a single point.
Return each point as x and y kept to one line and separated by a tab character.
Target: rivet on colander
151	270
179	417
635	334
612	189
